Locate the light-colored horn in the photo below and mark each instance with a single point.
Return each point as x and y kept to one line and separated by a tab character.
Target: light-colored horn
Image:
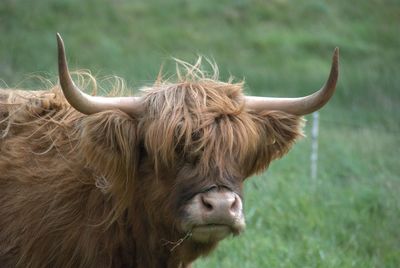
303	105
85	103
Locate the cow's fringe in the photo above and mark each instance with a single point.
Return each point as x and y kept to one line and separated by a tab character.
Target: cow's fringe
203	120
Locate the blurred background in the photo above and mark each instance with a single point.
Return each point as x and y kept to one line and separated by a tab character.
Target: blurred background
349	216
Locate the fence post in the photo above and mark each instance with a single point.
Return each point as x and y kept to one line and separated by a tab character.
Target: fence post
314	146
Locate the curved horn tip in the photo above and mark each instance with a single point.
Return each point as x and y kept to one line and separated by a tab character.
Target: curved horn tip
336	50
336	54
59	39
60	47
335	66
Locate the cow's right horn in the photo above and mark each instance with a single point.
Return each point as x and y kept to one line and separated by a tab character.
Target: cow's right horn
85	103
303	105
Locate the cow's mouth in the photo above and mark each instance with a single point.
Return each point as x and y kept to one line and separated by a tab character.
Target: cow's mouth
211	232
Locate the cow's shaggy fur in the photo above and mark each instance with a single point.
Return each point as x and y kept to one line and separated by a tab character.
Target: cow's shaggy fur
106	190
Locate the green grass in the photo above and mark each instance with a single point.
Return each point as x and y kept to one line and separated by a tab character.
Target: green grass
349	216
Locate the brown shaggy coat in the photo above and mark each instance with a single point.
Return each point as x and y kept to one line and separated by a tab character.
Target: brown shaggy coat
105	190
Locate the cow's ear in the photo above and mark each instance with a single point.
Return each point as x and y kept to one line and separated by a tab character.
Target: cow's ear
279	131
109	145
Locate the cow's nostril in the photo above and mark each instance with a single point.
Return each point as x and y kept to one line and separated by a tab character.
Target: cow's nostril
207	204
220	203
235	205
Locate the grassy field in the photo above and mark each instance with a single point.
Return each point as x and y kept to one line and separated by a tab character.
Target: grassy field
350	215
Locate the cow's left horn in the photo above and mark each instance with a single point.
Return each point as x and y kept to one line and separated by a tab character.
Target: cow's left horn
303	105
91	104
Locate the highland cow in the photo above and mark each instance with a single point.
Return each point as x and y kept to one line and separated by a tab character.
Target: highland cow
148	181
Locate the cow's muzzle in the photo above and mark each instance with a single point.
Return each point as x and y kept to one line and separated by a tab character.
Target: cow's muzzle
213	215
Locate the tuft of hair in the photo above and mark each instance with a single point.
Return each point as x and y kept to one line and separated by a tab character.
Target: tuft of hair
45	120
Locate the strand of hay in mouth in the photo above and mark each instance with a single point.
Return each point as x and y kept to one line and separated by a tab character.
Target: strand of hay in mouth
177	243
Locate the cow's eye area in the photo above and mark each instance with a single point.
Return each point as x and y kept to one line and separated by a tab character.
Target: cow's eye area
211	188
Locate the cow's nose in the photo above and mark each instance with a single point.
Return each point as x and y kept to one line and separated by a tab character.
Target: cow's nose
221	206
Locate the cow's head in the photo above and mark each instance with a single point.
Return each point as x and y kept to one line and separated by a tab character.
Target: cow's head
200	139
